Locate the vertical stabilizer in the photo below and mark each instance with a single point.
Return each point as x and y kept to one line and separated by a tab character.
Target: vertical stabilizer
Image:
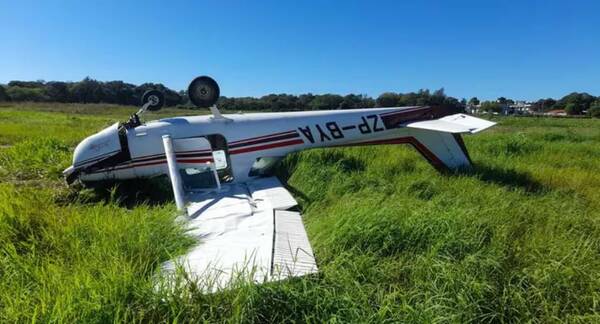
445	151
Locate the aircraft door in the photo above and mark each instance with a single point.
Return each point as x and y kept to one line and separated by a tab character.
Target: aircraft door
199	157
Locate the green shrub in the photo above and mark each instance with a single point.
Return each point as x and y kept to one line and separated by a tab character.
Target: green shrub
595	110
3	95
26	94
573	108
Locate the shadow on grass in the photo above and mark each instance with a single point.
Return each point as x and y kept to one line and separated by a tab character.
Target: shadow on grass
286	167
505	177
126	193
283	171
305	200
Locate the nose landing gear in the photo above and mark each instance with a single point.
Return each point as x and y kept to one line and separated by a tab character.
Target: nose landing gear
152	100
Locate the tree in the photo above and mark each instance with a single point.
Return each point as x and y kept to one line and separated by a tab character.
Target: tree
474	101
3	95
573	108
594	110
581	101
366	102
491	107
304	100
353	101
57	91
17	93
388	99
423	97
450	102
26	84
279	102
502	101
543	105
437	98
119	92
326	101
87	91
407	99
548	103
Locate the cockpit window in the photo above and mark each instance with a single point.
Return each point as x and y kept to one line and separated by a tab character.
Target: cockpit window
202	175
198	177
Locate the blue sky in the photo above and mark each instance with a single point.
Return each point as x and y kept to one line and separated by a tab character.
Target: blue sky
517	49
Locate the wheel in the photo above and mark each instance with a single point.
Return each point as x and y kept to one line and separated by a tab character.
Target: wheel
155	98
203	92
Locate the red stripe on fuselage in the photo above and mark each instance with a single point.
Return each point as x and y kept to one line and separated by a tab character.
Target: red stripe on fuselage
162	160
260	137
265	140
266	147
179	153
422	149
235	144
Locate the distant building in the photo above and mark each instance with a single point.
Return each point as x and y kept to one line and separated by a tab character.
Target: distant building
473	109
520	107
556	112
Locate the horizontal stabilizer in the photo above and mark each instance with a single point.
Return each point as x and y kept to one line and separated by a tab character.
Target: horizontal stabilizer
458	123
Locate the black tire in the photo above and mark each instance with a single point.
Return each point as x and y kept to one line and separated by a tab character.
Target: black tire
204	92
156	99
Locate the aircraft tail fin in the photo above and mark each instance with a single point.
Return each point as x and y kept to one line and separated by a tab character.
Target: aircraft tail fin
443	150
440	140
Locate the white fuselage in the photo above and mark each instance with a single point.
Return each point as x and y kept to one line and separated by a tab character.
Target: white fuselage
253	136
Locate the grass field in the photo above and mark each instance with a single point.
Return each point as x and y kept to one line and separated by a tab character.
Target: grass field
516	239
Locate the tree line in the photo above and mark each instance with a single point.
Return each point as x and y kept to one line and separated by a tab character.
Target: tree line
85	91
89	90
118	92
575	103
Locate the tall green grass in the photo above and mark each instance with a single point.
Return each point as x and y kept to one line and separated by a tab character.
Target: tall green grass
516	239
67	122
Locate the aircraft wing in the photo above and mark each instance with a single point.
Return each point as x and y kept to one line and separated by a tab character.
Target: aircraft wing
246	231
457	123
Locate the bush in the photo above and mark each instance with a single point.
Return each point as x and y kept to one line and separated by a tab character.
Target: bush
17	93
490	106
3	95
388	99
595	110
573	109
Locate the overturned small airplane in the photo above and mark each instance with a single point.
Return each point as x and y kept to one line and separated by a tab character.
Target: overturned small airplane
218	166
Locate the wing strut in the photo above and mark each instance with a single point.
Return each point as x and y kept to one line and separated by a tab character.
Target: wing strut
174	175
